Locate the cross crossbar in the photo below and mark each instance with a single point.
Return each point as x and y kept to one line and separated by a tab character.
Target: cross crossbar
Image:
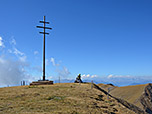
44	33
44	27
44	22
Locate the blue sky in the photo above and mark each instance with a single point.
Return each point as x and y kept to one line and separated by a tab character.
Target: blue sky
95	37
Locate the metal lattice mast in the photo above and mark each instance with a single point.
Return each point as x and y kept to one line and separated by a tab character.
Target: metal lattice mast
44	27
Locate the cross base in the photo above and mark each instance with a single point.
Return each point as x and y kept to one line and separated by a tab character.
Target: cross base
42	82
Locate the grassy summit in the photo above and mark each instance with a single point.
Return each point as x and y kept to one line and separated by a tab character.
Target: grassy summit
65	98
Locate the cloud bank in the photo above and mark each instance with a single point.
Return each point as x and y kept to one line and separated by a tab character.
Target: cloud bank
11	72
84	76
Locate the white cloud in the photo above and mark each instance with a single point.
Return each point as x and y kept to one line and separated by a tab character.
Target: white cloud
22	57
118	76
1	43
17	52
89	76
94	76
11	72
110	76
53	62
36	52
84	76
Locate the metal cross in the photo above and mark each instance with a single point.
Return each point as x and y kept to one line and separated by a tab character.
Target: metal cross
44	27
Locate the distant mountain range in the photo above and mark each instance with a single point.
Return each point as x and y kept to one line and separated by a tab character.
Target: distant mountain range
115	80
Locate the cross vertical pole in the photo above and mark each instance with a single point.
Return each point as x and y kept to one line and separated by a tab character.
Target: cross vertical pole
44	52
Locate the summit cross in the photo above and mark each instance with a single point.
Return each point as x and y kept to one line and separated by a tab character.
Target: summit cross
44	29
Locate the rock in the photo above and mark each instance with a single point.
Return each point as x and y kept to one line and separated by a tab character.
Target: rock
110	84
146	99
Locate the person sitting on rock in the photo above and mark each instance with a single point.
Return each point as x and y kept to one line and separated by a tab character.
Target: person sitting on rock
78	79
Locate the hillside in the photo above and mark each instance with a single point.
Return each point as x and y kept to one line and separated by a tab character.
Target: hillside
60	99
139	95
130	93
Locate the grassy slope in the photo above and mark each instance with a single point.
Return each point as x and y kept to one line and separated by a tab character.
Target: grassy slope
57	99
129	93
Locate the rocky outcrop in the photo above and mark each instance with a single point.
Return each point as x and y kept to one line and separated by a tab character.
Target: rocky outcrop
146	99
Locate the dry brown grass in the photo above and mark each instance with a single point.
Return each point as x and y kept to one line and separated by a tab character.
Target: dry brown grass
130	93
67	98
